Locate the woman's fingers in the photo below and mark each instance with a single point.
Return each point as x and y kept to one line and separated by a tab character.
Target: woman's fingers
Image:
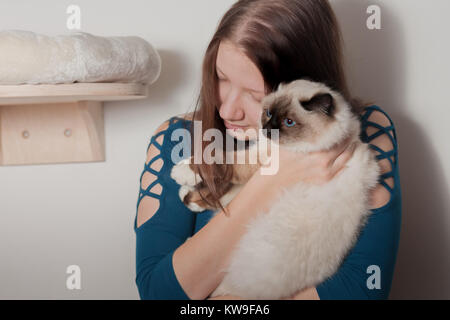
317	167
343	158
330	156
340	148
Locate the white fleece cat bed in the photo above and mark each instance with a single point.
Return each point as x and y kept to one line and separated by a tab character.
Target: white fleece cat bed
30	58
52	91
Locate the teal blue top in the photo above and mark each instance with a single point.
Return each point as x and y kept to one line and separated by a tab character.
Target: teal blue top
173	223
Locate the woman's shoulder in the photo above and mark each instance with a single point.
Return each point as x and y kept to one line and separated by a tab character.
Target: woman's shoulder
375	114
166	136
170	123
178	121
174	122
376	122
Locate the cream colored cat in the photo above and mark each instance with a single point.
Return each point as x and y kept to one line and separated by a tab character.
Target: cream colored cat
305	235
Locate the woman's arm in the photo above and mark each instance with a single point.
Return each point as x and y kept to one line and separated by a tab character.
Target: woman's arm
226	298
199	261
213	245
162	223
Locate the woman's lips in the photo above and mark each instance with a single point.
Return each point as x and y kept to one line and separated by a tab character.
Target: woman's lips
233	127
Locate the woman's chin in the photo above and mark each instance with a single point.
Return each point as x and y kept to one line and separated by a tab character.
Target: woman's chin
243	135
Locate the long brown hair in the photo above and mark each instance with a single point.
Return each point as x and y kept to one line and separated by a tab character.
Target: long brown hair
286	40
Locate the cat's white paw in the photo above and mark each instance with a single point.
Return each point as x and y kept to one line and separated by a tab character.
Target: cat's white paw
183	174
195	207
184	190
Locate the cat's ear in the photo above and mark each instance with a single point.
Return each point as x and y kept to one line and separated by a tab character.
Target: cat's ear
322	102
281	86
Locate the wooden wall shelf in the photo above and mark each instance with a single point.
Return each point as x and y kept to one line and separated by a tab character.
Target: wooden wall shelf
41	124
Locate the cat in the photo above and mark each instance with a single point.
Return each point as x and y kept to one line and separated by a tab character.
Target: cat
303	238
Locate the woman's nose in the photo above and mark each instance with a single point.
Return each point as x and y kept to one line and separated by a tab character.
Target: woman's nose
231	109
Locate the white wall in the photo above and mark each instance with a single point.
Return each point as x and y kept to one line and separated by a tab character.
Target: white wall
53	216
404	67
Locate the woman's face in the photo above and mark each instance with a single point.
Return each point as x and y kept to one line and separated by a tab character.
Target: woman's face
241	88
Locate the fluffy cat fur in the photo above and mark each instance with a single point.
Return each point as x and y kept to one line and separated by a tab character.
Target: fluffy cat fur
303	238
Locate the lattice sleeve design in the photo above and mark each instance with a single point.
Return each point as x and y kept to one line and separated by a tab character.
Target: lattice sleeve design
387	158
162	223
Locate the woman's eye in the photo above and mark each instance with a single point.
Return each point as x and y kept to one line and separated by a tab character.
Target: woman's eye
289	122
256	99
268	114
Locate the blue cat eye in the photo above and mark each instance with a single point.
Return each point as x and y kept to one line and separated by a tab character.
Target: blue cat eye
268	114
289	122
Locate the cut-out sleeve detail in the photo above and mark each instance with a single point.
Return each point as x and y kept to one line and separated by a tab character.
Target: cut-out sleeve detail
162	222
378	130
150	187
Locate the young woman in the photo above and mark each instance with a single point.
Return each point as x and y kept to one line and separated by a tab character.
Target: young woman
259	44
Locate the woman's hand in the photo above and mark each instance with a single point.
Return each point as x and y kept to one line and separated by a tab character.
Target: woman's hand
259	193
314	168
226	298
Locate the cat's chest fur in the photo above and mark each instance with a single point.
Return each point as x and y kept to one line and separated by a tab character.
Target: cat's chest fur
302	239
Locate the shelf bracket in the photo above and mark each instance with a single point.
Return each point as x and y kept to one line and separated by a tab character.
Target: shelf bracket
43	124
52	133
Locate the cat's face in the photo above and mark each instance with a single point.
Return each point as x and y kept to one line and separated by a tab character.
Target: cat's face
305	112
